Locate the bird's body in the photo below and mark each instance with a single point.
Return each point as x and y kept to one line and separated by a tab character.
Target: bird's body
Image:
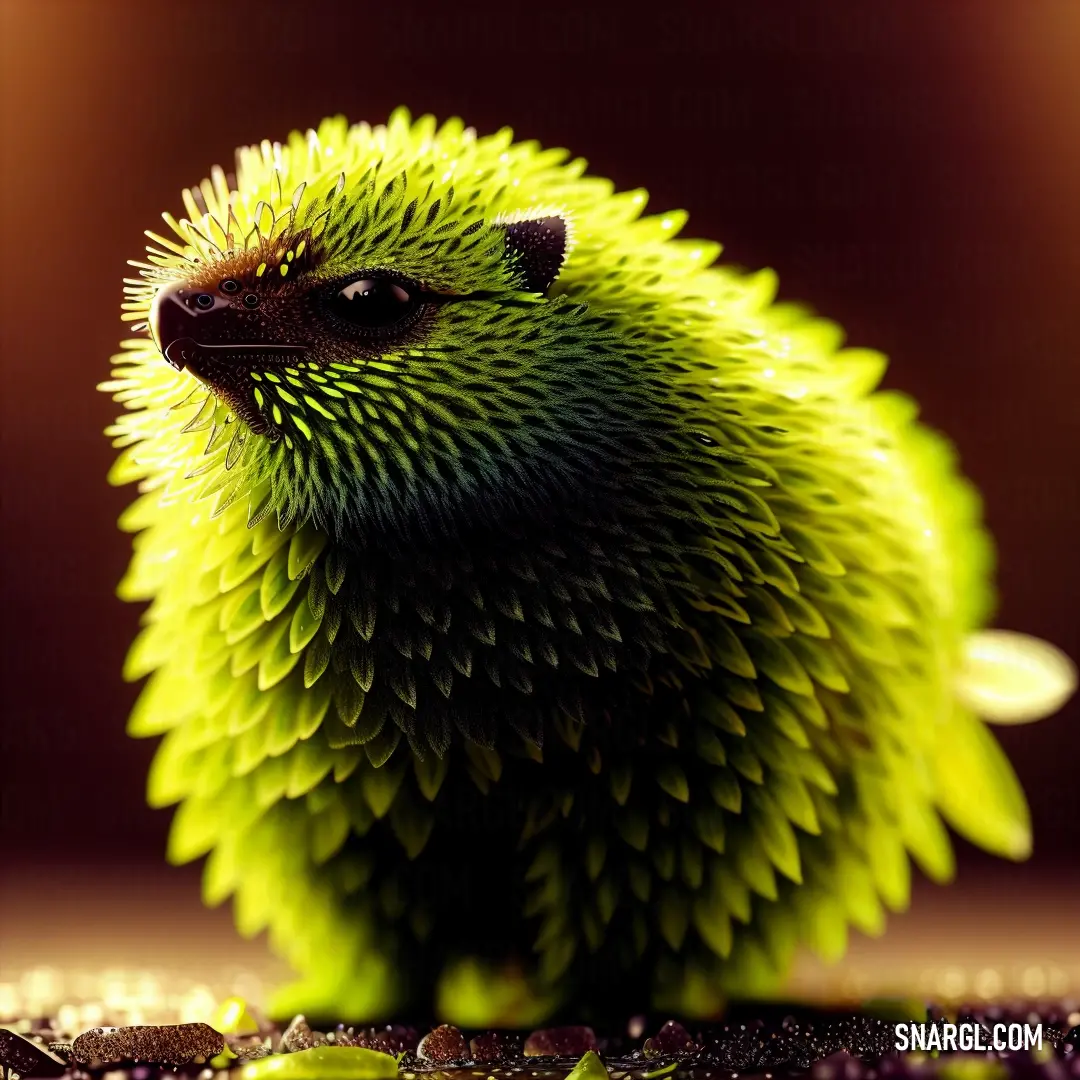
536	612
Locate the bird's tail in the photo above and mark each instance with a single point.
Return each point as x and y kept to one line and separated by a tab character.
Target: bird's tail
997	677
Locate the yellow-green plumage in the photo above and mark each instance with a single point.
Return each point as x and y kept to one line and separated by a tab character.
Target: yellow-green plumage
591	646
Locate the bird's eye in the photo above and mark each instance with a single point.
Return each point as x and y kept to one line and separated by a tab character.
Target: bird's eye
375	303
204	300
251	300
229	285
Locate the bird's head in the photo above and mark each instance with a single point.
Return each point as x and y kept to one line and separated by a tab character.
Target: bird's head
387	351
407	328
282	330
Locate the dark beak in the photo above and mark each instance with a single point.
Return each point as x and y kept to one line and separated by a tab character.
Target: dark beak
201	330
177	321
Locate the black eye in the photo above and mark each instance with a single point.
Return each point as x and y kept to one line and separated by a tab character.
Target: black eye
251	300
204	300
376	302
229	286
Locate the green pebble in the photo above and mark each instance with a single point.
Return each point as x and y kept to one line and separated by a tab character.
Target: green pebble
333	1063
666	1070
973	1068
590	1067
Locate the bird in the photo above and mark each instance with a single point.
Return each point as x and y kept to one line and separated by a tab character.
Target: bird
540	616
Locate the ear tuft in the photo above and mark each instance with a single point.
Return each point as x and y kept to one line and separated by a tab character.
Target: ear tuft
536	248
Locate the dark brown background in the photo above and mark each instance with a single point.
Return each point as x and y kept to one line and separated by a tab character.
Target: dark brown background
910	168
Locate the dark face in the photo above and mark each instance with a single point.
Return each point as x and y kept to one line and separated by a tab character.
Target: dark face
242	320
260	314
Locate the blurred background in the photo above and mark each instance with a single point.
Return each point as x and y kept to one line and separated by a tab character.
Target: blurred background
910	169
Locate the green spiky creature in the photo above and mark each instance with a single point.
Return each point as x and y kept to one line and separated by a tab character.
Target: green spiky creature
539	617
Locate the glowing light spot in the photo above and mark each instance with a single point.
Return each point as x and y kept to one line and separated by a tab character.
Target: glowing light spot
259	399
1033	982
92	1015
256	376
879	455
197	1006
928	532
304	429
67	1016
290	255
300	248
284	268
261	270
951	983
277	414
769	372
115	991
287	397
989	983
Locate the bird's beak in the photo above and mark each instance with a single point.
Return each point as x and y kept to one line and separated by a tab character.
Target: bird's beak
199	329
180	323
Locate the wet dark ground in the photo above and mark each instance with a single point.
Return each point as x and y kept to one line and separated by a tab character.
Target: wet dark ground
755	1041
